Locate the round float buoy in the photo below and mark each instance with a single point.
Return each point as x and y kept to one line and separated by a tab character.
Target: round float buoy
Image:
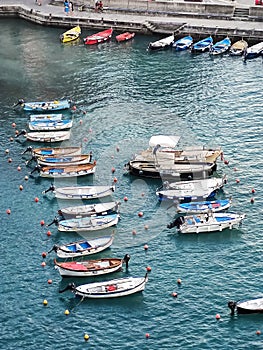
45	302
7	151
26	177
16	132
48	233
179	281
143	194
147	335
85	139
237	181
226	162
115	180
13	125
84	112
258	332
19	168
10	160
86	337
118	149
140	214
146	227
253	190
174	294
146	247
49	281
21	187
36	199
252	200
42	222
43	264
148	268
125	199
11	139
80	122
66	312
8	211
44	255
74	108
217	316
113	170
134	232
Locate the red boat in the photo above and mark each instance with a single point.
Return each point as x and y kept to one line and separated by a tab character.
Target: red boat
98	37
125	36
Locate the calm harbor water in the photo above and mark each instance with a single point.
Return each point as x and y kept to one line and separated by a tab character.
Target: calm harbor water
123	96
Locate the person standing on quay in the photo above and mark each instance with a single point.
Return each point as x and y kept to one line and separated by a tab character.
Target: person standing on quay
66	7
71	8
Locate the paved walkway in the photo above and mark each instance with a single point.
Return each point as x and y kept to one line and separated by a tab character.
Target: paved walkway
47	9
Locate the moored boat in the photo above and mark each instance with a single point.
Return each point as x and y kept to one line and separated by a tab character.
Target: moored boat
98	38
202	45
161	44
89	268
81	192
248	306
87	223
124	36
220	47
65	160
183	43
191	190
90	210
70	35
238	48
48	106
216	205
254	51
45	117
45	136
53	151
83	247
109	289
60	171
209	222
50	125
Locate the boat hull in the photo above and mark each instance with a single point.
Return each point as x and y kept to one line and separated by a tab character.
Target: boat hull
46	106
67	171
98	38
49	136
84	192
203	207
90	210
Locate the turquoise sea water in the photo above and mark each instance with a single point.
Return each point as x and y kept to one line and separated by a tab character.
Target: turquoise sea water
124	95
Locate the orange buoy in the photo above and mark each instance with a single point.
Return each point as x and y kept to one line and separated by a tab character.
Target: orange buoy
21	187
143	194
134	232
36	199
10	160
258	332
8	211
115	180
118	149
13	125
148	268
42	222
49	281
237	181
147	335
125	199
146	247
174	294
253	190
113	170
19	168
43	264
179	281
44	255
252	200
85	139
11	139
226	162
80	122
146	227
48	233
74	108
140	214
217	316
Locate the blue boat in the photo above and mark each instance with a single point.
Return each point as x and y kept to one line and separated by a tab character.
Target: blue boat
220	47
203	45
55	105
183	43
254	51
216	205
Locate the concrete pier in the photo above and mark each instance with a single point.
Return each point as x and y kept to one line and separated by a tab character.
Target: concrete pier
216	18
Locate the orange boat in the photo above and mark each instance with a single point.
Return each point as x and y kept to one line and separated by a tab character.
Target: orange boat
98	37
125	36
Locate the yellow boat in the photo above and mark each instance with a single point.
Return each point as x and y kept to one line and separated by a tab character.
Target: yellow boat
70	35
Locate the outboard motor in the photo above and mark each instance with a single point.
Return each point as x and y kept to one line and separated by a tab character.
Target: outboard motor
232	306
176	223
126	259
55	221
28	149
51	188
55	248
20	102
36	168
22	132
70	286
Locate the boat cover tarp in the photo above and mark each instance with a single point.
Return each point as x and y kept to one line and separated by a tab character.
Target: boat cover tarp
164	140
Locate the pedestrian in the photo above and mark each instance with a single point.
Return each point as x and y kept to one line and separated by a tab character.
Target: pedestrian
66	7
71	8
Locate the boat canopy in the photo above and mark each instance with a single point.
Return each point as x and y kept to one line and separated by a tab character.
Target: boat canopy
164	140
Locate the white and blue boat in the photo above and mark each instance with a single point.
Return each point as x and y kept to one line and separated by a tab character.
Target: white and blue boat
56	105
254	51
220	47
50	125
183	43
203	45
214	206
161	44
